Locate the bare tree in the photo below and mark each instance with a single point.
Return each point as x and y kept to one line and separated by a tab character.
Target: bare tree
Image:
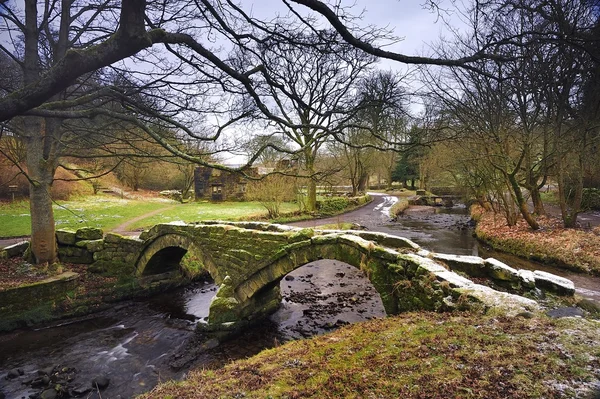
311	89
153	66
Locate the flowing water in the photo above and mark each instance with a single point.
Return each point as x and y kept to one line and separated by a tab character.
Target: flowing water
449	230
140	343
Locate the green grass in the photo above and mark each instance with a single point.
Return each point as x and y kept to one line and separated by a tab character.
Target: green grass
107	213
199	211
95	211
549	197
415	355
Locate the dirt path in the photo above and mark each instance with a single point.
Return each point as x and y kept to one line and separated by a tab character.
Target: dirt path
123	228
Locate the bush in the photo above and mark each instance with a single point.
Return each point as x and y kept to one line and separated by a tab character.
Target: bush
331	206
61	189
591	199
271	191
64	190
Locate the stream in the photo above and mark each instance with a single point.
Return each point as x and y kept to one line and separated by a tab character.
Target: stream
137	344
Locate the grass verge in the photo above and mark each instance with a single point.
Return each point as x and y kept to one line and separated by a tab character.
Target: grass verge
415	355
573	249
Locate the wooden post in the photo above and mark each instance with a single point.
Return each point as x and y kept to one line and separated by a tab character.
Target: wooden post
13	190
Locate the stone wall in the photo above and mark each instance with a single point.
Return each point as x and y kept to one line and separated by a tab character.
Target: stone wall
110	253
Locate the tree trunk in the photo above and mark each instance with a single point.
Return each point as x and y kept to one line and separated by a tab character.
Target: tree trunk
43	235
311	195
41	172
538	204
521	203
363	182
389	178
311	199
568	211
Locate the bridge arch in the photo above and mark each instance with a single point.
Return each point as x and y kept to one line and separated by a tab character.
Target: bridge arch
170	252
376	270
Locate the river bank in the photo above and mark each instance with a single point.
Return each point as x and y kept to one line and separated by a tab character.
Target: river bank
416	355
572	249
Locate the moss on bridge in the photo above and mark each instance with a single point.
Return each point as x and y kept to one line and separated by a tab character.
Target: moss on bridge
248	260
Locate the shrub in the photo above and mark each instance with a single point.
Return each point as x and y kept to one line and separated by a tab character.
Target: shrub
63	189
590	199
330	206
271	191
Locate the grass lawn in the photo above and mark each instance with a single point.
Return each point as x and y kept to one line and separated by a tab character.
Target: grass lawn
107	212
198	211
95	211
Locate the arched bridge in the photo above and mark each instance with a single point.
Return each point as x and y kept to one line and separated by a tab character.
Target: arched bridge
247	261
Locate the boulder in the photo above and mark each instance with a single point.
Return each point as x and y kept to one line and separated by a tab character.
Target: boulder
12	374
49	394
17	249
473	266
527	278
571	311
554	283
100	382
500	271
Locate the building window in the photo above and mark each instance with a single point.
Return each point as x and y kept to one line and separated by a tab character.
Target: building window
216	189
242	187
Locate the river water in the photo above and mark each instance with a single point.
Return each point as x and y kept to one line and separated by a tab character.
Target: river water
140	343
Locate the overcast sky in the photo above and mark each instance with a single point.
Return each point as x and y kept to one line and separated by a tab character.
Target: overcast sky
418	26
409	19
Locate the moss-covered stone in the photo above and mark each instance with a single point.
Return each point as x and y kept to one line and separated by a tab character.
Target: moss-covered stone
75	255
89	233
301	235
500	271
30	303
114	238
17	249
91	245
248	259
66	237
473	266
224	307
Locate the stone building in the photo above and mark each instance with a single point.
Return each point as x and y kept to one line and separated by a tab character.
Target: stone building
218	185
221	185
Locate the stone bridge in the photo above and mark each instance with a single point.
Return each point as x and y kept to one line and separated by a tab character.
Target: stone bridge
247	261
